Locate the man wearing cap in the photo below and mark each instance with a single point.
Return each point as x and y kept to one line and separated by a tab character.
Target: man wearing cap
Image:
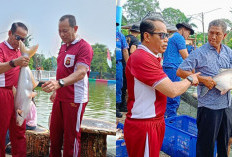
132	42
173	57
121	53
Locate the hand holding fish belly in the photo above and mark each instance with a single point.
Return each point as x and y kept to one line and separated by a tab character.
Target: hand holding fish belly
222	81
22	61
208	81
50	86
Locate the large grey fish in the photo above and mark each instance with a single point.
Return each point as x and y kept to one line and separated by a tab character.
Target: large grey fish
26	84
223	80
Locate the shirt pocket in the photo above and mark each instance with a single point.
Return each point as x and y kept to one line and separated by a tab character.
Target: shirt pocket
69	60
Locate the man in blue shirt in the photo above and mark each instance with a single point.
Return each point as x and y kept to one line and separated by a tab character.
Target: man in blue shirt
173	57
213	113
121	52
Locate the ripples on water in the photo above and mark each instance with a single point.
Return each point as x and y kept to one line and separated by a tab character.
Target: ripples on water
101	103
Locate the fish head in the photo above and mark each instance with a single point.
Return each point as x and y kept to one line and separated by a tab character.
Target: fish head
19	117
224	80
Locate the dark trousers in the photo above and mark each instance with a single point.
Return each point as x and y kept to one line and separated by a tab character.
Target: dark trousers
213	125
172	103
124	88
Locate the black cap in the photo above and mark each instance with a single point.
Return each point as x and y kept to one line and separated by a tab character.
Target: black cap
185	25
135	28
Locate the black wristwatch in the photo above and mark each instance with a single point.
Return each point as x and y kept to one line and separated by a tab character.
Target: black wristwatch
11	63
190	79
61	82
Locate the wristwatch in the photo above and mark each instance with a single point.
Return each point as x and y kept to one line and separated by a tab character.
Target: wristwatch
11	63
190	79
61	82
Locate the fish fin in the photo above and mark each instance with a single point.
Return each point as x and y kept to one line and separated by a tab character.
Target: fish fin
31	51
14	90
204	90
19	112
19	117
33	94
224	92
221	70
34	82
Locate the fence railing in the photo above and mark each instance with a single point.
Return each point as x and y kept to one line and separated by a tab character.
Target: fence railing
43	75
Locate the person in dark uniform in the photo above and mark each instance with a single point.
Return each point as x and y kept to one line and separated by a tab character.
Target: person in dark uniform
132	42
121	54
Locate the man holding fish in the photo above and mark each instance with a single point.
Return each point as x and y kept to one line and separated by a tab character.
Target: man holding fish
10	63
213	105
70	95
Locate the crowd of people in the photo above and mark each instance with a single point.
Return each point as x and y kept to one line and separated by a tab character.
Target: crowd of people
154	90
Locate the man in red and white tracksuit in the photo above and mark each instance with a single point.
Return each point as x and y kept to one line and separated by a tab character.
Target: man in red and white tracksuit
148	87
71	96
144	125
10	63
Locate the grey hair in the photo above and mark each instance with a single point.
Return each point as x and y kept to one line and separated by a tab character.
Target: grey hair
218	23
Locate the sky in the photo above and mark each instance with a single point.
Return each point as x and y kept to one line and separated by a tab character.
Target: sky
191	7
95	19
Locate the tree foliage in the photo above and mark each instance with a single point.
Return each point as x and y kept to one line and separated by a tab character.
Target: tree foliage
99	62
174	16
137	9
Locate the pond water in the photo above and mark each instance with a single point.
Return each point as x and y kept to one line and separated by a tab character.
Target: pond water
101	106
101	103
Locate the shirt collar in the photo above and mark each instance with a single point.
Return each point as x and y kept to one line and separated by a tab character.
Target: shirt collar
213	48
143	47
76	40
8	45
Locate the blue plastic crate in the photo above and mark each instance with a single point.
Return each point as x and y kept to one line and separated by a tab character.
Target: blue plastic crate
180	137
121	148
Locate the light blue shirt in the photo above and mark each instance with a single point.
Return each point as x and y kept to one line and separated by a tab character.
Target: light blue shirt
207	61
172	57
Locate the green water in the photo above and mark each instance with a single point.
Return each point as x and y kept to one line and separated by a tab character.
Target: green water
101	103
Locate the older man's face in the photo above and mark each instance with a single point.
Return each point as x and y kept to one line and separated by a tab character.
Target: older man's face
159	45
215	36
66	32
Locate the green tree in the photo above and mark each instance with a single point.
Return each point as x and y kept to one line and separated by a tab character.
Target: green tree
137	9
49	64
38	60
99	62
174	16
200	39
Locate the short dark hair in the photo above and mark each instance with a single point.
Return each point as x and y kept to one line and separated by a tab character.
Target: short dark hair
15	25
71	20
147	26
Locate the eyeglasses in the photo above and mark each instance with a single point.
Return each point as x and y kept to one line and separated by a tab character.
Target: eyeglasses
161	34
17	37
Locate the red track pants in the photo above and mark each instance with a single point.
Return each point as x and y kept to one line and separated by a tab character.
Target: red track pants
65	128
8	120
144	137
